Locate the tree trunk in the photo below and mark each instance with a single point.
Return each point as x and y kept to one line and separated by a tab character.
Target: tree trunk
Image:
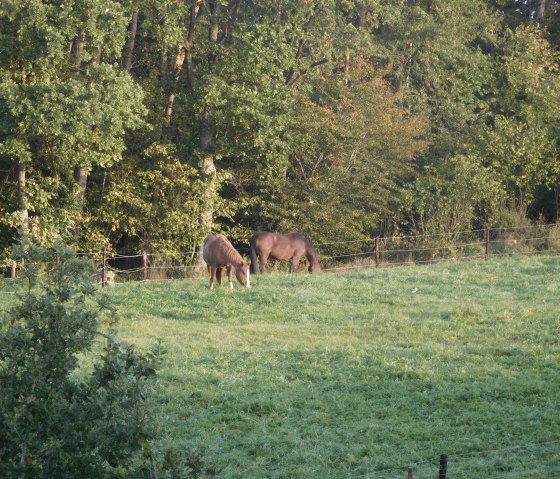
557	202
541	7
189	45
209	176
177	67
208	165
22	201
23	461
183	53
130	44
81	175
215	28
77	49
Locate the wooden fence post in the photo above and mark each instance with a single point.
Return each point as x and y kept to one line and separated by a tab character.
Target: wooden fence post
443	466
104	268
145	265
377	252
14	270
486	242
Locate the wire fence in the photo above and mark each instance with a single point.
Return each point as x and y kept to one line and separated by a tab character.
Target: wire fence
529	460
347	254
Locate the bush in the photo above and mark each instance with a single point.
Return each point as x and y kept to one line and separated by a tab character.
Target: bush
52	424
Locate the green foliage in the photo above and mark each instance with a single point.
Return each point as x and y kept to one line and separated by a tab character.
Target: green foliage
498	111
52	203
522	142
52	423
63	108
342	175
439	51
346	104
454	197
75	121
249	101
62	125
159	205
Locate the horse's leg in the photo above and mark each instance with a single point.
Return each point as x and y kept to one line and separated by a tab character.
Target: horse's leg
264	257
212	272
255	255
295	263
219	274
230	276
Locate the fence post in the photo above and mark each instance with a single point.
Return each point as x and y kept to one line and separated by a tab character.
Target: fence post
14	269
377	252
104	268
443	466
145	265
486	242
410	472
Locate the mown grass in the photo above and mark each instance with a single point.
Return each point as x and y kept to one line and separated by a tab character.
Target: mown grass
358	374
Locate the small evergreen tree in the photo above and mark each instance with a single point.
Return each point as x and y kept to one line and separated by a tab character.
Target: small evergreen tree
53	424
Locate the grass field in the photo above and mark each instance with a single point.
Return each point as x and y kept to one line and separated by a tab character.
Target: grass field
358	374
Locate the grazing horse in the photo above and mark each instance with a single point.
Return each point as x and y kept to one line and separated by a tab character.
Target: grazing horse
291	246
219	253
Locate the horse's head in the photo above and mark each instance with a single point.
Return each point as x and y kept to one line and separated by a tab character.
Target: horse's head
242	274
314	267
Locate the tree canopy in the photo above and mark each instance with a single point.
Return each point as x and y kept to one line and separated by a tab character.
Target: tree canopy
146	125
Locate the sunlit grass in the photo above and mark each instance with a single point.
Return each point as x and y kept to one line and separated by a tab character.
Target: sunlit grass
358	374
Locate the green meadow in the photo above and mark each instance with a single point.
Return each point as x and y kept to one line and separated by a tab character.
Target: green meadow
357	374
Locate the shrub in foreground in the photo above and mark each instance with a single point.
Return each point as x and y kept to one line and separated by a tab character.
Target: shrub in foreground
54	422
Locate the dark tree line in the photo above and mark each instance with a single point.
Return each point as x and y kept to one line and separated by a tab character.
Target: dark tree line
146	125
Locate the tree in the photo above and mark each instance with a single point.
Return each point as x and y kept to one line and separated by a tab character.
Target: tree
51	422
353	148
461	193
152	205
66	107
521	142
344	102
443	53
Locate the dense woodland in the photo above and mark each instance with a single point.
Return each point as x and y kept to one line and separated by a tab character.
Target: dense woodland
144	125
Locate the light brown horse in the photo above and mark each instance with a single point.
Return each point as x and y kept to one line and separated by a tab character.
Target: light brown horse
219	253
291	246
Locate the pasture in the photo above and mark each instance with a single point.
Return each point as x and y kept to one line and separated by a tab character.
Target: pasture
357	374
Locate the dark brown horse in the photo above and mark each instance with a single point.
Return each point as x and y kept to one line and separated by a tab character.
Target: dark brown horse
291	246
219	253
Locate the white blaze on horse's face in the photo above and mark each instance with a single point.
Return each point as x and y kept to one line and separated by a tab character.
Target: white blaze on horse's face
248	278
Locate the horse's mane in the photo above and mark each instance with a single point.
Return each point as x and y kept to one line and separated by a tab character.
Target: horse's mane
309	247
312	252
229	251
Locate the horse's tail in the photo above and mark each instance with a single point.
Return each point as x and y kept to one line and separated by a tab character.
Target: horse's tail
254	265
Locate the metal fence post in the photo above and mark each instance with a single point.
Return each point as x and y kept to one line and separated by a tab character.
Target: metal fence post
443	466
104	268
145	265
